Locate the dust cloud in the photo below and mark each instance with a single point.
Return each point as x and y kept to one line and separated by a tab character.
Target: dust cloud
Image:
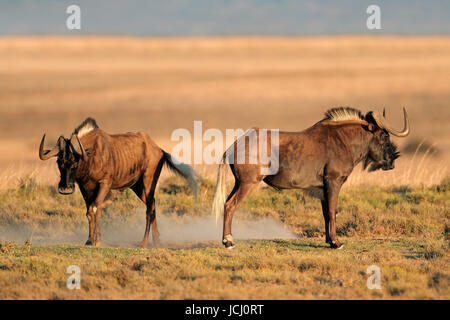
174	231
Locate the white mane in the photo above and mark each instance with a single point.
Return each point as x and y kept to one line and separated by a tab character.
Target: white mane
343	114
85	127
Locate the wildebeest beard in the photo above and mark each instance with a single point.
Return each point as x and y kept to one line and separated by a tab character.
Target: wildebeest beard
391	153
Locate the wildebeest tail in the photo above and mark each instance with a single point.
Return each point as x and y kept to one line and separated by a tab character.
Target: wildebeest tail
184	170
220	191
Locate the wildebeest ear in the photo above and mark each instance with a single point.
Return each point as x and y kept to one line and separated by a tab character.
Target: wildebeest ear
61	142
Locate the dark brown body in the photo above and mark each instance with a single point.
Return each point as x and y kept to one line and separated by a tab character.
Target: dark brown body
100	162
119	161
318	159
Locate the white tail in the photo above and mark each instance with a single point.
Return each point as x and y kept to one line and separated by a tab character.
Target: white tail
219	193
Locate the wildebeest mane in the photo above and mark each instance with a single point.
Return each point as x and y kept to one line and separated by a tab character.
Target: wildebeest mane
86	126
343	114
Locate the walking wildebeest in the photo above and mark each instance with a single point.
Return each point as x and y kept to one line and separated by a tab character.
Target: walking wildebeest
318	159
98	162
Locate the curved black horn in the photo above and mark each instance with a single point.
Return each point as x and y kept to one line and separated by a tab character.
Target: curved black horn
384	124
47	154
82	151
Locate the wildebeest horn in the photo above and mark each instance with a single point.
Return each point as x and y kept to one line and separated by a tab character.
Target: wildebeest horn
382	123
47	154
82	151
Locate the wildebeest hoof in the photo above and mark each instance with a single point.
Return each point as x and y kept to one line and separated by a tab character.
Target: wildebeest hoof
230	245
143	245
228	242
336	245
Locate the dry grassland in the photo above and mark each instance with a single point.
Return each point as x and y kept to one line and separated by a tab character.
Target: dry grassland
398	220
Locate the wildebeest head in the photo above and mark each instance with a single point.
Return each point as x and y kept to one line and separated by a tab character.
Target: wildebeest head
69	152
382	151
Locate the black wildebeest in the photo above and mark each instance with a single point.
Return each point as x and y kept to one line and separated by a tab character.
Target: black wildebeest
318	159
98	162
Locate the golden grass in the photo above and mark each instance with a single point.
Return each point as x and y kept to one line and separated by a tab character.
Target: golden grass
402	230
277	269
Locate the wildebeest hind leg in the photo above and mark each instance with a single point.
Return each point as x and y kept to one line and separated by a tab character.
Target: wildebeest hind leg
151	216
234	199
149	181
150	221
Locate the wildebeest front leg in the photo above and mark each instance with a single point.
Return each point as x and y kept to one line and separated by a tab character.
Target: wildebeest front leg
90	217
97	211
332	188
88	199
326	217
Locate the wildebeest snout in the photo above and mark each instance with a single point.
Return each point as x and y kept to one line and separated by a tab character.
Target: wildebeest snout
66	190
388	166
